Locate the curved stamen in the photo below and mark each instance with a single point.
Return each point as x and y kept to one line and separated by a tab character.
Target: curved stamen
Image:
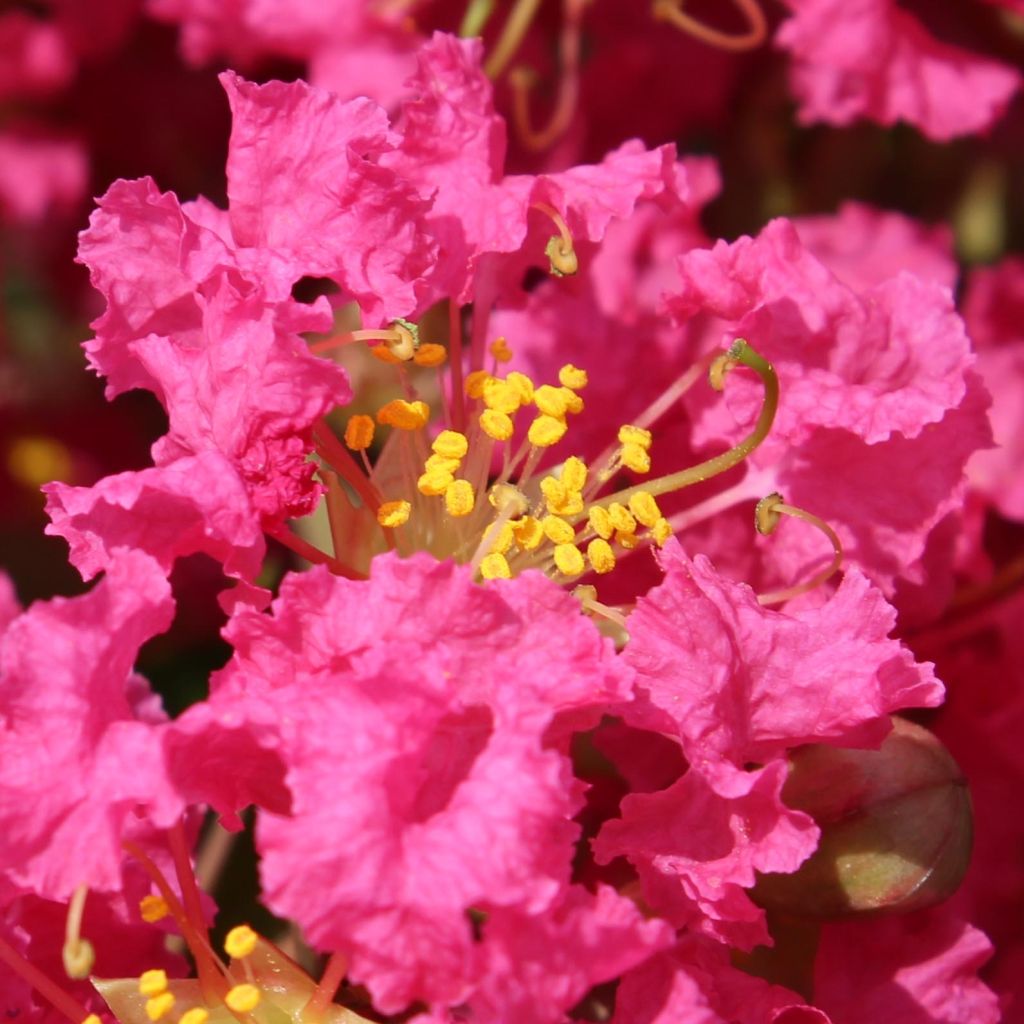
757	30
766	518
474	21
559	250
401	339
518	24
739	354
78	954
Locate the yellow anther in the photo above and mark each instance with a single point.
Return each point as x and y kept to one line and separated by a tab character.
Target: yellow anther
429	354
495	567
523	385
573	402
572	377
574	474
152	983
475	383
554	491
406	340
496	424
501	396
508	498
79	958
563	261
159	1006
242	998
434	482
550	401
528	533
500	538
569	560
661	531
626	540
404	415
359	433
545	431
197	1015
629	434
440	462
459	498
600	556
92	1019
621	518
558	531
240	941
500	350
450	444
601	522
644	508
153	908
394	513
385	355
636	458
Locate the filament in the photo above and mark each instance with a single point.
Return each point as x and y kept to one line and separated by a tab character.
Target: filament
757	27
78	954
326	988
511	37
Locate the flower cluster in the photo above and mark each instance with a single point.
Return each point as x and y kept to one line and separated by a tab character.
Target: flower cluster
624	547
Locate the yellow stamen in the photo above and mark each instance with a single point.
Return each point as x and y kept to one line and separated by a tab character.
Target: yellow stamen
240	941
570	376
385	355
153	908
159	1006
459	498
404	415
626	540
443	463
528	533
197	1015
573	402
404	340
569	560
495	567
92	1019
496	425
394	513
574	474
551	401
645	508
661	531
475	383
359	433
560	252
523	385
434	482
77	953
629	434
508	499
621	518
450	444
153	983
558	531
635	458
600	556
430	354
499	538
242	998
501	396
500	350
546	431
601	522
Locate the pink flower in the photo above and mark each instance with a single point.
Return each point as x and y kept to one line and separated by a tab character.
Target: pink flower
870	58
39	176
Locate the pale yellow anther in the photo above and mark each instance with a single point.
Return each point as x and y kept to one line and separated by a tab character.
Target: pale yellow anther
600	556
569	560
574	474
501	396
626	540
430	354
92	1019
558	531
499	538
404	415
459	498
385	355
523	385
442	463
644	508
621	518
572	377
508	498
159	1006
546	431
573	402
405	341
153	908
629	434
197	1015
475	383
601	523
240	941
497	425
495	567
500	350
394	513
450	444
434	482
242	998
359	433
528	533
562	258
661	531
635	458
554	491
550	401
152	983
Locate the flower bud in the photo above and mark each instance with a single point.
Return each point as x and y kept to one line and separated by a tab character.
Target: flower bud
895	828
